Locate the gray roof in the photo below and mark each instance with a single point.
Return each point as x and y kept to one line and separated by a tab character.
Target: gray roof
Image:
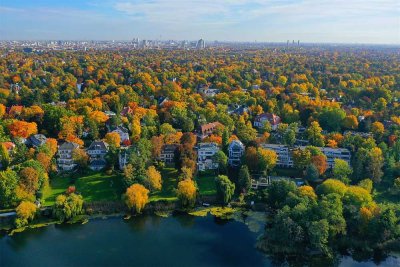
68	146
98	145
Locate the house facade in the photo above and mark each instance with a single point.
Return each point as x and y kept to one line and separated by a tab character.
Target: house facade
167	154
235	153
285	158
273	119
97	152
37	140
65	161
122	132
205	153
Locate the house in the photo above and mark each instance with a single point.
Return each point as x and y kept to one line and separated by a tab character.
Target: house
167	154
122	132
283	152
273	119
97	151
37	140
235	153
335	153
208	92
205	153
110	113
126	111
206	130
123	157
238	109
65	161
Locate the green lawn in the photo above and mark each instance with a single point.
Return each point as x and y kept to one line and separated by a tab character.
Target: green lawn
169	184
93	187
206	184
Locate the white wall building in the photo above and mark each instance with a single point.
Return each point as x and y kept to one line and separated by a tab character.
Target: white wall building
65	161
205	153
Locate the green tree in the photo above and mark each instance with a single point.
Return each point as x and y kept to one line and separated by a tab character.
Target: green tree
225	188
342	170
244	179
222	161
312	172
4	156
314	134
8	186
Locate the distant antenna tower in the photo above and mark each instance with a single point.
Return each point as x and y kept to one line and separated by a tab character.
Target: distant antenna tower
287	44
293	41
298	42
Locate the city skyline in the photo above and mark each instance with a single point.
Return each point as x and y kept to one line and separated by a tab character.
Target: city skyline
338	21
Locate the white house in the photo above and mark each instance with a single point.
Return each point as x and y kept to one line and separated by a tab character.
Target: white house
97	151
205	153
167	154
235	151
65	161
122	132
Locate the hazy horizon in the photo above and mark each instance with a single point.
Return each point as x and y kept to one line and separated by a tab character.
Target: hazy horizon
264	21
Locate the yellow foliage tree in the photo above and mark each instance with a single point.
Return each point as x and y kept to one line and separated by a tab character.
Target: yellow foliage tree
187	192
136	197
154	178
113	139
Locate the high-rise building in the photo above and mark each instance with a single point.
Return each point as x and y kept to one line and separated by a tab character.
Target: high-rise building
201	44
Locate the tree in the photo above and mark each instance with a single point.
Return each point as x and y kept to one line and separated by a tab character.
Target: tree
80	157
136	196
25	212
350	122
154	178
8	186
357	196
319	161
222	161
29	179
307	191
289	137
367	184
314	134
318	233
377	129
22	129
113	139
68	206
244	179
225	188
45	160
278	191
251	158
4	156
266	159
136	129
342	170
312	172
331	118
375	164
332	186
187	193
301	158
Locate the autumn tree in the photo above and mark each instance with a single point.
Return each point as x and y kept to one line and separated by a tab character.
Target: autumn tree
314	134
136	197
187	193
22	129
154	178
113	139
80	157
266	159
68	206
8	186
375	164
4	156
319	161
29	179
25	212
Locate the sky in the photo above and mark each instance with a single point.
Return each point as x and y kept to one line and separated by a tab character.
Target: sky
322	21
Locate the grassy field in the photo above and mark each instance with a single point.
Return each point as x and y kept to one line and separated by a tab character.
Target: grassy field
93	187
206	184
169	184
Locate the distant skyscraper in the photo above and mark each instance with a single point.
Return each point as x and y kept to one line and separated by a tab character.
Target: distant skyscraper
201	44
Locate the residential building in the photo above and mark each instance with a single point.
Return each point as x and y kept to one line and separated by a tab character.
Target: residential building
65	161
273	119
122	132
167	154
235	153
97	151
205	153
37	140
283	152
126	111
285	159
206	130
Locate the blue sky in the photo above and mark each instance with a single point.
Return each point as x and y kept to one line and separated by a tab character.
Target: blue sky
344	21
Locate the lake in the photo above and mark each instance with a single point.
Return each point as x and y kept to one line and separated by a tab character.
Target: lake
180	240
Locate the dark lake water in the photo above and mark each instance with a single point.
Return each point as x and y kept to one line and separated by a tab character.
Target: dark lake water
142	241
